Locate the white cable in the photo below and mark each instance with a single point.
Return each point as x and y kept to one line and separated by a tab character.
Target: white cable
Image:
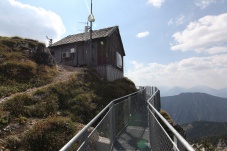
87	6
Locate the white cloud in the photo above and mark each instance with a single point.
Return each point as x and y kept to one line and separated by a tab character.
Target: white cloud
209	71
216	50
177	21
180	20
142	34
205	35
202	4
17	19
156	3
170	22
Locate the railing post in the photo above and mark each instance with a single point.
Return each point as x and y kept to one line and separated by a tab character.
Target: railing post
129	108
175	142
83	137
112	124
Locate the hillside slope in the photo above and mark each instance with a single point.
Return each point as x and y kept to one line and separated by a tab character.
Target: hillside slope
48	116
190	107
24	64
210	131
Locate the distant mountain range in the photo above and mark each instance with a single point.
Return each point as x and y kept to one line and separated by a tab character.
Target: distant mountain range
165	91
211	131
191	107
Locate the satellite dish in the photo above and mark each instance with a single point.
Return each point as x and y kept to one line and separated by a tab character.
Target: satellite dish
91	18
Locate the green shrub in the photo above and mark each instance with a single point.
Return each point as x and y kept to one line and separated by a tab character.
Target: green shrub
13	142
63	92
28	106
16	105
4	119
42	108
166	116
8	42
50	134
14	55
21	120
82	107
6	91
44	75
20	71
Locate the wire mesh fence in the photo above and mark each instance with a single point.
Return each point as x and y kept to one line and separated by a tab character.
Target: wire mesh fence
110	122
99	137
159	139
162	135
100	133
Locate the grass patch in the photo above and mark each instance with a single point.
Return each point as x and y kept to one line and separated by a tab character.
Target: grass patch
50	134
22	65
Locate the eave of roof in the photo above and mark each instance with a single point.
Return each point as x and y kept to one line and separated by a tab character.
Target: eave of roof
81	36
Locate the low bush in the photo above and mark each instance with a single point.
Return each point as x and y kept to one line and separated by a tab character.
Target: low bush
13	142
20	71
50	134
42	108
4	119
16	105
28	106
82	107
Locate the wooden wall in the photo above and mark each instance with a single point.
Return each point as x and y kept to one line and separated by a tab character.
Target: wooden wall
114	45
109	73
81	57
107	48
102	57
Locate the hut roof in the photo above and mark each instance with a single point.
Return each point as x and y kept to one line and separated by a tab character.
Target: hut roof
101	33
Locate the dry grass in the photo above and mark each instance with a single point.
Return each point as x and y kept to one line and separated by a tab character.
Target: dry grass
18	70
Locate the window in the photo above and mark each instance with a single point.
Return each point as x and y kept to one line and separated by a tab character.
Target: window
119	60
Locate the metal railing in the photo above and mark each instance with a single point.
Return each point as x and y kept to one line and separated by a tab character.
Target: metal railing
99	134
162	135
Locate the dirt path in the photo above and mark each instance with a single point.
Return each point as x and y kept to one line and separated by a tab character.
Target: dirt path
64	73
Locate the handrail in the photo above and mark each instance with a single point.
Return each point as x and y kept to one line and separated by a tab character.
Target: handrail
76	137
108	115
164	130
179	137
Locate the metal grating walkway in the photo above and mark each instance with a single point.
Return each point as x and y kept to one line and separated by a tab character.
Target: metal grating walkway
136	135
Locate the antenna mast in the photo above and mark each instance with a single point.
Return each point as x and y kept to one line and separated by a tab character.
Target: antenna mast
91	24
91	19
50	40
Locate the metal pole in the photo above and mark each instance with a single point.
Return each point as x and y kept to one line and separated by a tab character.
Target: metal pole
91	24
91	38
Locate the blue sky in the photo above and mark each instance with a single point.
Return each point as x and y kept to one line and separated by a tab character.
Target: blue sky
167	42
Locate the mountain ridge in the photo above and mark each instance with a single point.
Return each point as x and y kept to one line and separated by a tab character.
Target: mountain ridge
166	91
190	107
